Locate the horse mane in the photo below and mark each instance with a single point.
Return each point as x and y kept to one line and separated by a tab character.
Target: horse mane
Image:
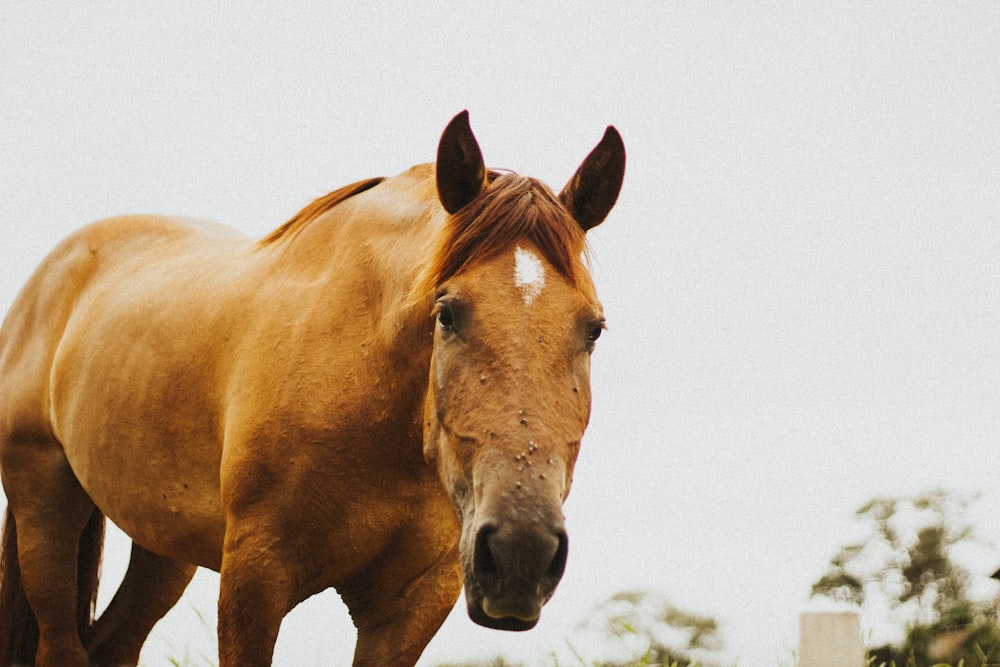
317	208
510	208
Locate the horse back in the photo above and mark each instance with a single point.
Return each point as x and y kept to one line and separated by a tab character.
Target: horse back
94	259
69	354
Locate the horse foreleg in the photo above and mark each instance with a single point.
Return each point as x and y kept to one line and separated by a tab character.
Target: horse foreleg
51	511
151	587
256	590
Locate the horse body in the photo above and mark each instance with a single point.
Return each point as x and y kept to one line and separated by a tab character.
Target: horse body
287	412
274	360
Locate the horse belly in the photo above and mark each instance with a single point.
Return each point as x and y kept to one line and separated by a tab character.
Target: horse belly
138	426
158	484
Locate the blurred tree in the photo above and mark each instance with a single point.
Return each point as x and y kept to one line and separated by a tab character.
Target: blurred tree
495	662
905	566
637	628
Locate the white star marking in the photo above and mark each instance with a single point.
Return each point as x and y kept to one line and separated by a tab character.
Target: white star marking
529	274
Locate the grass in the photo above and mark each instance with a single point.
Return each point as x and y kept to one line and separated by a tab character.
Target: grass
983	659
199	660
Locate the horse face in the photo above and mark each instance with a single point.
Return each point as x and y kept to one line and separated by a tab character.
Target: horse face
508	404
509	394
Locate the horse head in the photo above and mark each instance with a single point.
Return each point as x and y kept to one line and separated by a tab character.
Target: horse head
516	319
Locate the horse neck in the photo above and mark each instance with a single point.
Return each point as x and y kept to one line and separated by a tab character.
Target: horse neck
370	249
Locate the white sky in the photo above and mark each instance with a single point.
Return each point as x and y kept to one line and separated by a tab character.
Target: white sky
801	276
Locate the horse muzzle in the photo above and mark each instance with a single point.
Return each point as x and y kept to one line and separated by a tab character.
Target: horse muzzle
512	571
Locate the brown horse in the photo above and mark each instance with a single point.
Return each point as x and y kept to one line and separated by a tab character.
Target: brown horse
386	396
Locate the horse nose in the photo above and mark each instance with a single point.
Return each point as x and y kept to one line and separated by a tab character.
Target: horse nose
518	567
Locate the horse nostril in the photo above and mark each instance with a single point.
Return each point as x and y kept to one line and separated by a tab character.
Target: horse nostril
531	559
558	564
484	563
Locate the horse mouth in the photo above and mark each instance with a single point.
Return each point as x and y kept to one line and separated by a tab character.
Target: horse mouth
485	613
510	573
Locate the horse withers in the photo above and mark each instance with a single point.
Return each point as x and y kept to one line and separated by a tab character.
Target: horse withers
386	395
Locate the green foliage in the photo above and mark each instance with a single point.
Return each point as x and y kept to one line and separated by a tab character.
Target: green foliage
495	662
637	629
645	661
911	564
646	629
905	563
200	659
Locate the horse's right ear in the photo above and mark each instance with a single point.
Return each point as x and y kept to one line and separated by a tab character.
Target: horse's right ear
461	173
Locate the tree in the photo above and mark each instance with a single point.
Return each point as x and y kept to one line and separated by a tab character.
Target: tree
495	662
634	629
905	569
641	628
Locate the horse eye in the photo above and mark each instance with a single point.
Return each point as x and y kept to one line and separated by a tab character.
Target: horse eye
445	318
595	332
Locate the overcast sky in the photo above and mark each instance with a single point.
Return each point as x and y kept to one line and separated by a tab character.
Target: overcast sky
802	276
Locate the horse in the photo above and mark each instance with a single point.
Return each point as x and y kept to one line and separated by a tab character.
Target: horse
386	396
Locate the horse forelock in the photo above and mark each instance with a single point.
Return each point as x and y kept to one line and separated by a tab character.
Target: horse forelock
510	209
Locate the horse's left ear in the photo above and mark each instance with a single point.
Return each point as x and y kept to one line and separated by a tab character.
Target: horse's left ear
461	173
593	190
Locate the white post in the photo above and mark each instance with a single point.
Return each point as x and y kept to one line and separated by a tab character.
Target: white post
830	640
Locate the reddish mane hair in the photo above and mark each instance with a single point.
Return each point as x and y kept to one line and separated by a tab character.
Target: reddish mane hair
509	208
317	208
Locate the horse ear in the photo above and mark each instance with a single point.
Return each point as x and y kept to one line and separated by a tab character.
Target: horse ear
461	173
594	188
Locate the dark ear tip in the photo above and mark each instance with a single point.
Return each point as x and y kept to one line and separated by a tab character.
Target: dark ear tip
457	126
461	120
614	138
